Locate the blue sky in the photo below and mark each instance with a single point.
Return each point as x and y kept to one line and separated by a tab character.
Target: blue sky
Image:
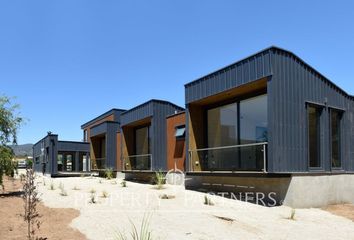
69	61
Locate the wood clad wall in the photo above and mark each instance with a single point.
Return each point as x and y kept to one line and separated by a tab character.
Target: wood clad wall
176	148
127	145
196	133
108	118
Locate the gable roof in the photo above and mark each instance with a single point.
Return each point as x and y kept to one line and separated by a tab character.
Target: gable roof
270	50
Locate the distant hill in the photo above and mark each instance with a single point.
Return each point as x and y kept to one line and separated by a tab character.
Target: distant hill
23	150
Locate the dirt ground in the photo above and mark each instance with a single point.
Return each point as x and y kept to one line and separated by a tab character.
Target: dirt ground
344	210
55	221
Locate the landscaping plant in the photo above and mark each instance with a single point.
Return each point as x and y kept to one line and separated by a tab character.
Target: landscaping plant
31	199
207	201
292	214
104	194
145	232
159	179
109	173
51	187
62	190
93	197
123	183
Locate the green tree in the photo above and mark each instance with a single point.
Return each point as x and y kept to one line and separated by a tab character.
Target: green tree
10	121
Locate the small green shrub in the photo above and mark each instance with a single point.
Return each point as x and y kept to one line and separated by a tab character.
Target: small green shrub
123	183
62	190
104	194
100	181
93	198
145	232
51	186
108	173
292	214
165	196
207	201
159	179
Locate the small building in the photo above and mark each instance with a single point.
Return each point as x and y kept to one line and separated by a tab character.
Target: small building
103	135
271	123
55	157
144	144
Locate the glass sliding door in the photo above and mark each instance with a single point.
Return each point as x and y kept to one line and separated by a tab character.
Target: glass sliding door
141	161
335	119
253	129
314	138
222	131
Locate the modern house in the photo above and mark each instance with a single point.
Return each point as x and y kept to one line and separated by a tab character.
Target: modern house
103	134
271	123
144	145
58	158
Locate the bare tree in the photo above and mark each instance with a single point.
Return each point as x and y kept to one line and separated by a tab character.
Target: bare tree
31	199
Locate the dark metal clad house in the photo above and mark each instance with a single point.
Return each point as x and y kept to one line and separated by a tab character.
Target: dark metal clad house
103	133
54	157
272	113
144	136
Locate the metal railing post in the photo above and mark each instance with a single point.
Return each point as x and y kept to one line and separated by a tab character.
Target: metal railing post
264	158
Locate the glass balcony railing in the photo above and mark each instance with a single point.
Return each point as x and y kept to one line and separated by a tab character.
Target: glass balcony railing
246	157
98	163
138	162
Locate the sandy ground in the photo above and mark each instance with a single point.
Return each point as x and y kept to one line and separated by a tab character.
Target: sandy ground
344	210
185	216
55	222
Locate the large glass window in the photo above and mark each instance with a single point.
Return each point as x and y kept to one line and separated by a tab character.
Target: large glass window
142	160
254	120
222	126
253	129
142	141
335	138
314	127
222	131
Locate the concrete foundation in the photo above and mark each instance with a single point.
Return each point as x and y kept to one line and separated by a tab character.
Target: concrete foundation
319	191
292	190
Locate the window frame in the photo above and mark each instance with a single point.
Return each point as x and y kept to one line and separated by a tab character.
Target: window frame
321	109
184	133
340	113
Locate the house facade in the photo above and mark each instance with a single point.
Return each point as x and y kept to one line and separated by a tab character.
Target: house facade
103	135
58	158
144	140
270	122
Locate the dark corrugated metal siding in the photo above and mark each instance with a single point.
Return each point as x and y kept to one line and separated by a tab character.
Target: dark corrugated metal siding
73	146
135	114
109	129
291	84
111	145
158	111
248	70
54	146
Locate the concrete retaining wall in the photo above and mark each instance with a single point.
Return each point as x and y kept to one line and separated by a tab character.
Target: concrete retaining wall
291	190
319	191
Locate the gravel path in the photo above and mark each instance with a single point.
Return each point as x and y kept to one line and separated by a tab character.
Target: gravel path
185	216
